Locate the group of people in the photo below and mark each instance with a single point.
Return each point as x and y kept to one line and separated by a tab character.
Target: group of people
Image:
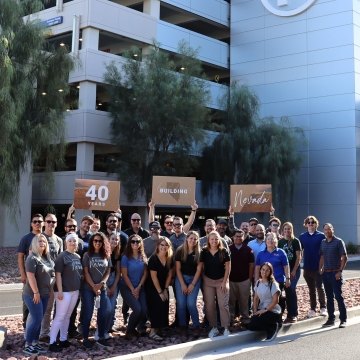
241	272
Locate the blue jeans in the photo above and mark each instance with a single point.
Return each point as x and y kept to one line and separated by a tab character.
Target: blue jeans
291	297
138	307
36	314
333	288
187	302
103	313
113	300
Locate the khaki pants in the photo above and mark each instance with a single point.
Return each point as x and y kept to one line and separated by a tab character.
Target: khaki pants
211	289
240	292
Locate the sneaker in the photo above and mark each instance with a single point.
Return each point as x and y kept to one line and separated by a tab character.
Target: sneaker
323	312
30	350
74	335
65	344
226	332
290	320
329	323
311	314
39	348
55	347
107	336
342	324
213	332
103	343
88	344
272	336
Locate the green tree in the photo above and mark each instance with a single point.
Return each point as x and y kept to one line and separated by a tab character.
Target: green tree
33	85
158	109
251	150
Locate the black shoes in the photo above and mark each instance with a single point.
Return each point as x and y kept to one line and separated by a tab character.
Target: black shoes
329	323
271	336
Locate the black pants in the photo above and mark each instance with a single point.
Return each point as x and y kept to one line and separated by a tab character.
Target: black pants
265	322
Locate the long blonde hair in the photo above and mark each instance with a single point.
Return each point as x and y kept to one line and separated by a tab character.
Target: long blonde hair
35	250
220	243
169	253
183	250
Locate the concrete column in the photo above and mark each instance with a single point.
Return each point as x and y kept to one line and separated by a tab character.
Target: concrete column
152	7
85	156
87	95
59	5
90	38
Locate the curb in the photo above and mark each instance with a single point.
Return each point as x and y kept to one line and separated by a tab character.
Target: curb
207	346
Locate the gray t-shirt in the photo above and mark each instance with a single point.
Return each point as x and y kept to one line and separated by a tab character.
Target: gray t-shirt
265	292
149	246
70	267
97	266
55	246
43	269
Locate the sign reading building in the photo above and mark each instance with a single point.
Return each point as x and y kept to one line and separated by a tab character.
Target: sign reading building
251	198
171	190
96	194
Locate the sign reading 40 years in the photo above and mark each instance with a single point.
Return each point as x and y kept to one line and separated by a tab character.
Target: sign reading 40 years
96	194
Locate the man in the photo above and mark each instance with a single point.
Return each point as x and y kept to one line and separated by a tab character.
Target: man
221	228
241	275
258	244
333	259
253	222
95	226
274	226
311	242
169	220
84	232
112	225
136	227
151	241
244	226
55	248
179	236
37	222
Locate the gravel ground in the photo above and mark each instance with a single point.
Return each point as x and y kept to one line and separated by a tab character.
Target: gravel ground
120	346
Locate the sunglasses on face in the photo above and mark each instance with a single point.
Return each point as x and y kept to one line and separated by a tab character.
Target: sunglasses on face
177	225
168	222
97	241
275	225
112	221
311	222
136	241
37	221
71	226
51	221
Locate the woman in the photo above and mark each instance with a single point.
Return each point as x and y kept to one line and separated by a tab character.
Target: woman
157	287
96	263
187	282
68	274
40	276
216	265
113	280
279	261
134	274
266	308
292	247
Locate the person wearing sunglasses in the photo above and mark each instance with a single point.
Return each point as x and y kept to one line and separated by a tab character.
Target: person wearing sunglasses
134	274
274	226
55	244
136	228
37	222
311	243
96	264
151	241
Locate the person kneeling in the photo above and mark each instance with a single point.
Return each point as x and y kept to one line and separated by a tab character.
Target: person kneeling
267	311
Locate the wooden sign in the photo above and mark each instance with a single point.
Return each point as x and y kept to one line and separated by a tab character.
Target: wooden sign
172	190
251	198
96	194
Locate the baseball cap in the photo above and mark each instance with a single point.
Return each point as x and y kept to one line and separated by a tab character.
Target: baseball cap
154	224
89	218
222	221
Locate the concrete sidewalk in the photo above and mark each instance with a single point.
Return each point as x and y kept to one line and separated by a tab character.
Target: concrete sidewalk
221	344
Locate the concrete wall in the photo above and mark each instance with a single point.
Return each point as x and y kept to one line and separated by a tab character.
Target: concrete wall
303	66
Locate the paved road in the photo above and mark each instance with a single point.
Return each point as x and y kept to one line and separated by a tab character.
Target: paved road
320	344
11	304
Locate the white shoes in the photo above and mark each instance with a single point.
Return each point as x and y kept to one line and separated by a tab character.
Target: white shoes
213	332
311	314
323	312
226	332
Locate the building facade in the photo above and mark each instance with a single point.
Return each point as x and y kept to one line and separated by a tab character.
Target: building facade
301	57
